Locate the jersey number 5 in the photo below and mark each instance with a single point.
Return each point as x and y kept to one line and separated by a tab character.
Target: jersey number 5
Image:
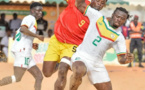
74	48
97	40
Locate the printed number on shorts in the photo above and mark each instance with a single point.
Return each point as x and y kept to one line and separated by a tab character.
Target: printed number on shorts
74	49
26	61
97	40
82	23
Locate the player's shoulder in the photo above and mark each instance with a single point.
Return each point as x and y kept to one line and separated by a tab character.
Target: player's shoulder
120	37
93	10
29	17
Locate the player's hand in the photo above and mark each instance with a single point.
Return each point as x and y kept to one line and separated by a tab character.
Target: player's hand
40	37
129	57
35	46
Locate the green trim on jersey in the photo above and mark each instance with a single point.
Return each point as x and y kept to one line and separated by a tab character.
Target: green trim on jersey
110	26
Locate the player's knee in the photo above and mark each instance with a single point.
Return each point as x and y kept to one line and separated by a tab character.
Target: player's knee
62	74
47	74
79	71
103	86
39	77
63	69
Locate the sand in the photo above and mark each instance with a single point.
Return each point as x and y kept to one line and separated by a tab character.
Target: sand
123	78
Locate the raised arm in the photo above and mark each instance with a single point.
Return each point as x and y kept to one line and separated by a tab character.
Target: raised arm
81	5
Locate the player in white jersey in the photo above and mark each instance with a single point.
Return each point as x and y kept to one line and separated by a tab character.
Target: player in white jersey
22	48
100	36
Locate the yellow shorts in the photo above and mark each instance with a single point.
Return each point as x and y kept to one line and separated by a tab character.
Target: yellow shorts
56	50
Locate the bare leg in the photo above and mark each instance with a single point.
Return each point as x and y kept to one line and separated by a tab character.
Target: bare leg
79	70
18	74
49	67
103	86
35	71
62	76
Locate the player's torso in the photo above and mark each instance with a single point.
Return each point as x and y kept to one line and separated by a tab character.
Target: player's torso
22	41
98	38
71	25
25	38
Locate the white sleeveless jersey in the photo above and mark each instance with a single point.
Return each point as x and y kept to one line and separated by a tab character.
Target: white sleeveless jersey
23	43
100	37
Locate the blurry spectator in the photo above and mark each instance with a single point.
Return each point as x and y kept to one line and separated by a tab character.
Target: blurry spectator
50	33
4	42
41	25
125	31
143	28
14	23
3	26
135	35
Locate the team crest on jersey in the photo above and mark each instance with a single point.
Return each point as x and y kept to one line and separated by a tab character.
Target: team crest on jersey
100	23
112	35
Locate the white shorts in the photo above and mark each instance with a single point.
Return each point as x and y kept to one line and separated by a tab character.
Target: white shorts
23	61
96	70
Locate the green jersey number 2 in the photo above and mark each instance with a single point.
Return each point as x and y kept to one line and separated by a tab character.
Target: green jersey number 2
97	40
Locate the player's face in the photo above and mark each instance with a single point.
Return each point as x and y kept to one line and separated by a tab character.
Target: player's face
37	12
118	18
98	4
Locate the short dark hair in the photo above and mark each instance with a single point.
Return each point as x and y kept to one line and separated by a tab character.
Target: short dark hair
2	14
8	30
14	13
35	4
123	10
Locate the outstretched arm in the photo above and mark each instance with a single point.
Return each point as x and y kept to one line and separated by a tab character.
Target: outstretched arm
81	5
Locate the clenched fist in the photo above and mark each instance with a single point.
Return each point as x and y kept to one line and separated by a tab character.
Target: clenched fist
129	57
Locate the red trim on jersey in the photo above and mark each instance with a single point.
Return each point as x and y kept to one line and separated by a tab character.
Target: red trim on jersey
121	54
35	28
101	35
24	25
86	9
